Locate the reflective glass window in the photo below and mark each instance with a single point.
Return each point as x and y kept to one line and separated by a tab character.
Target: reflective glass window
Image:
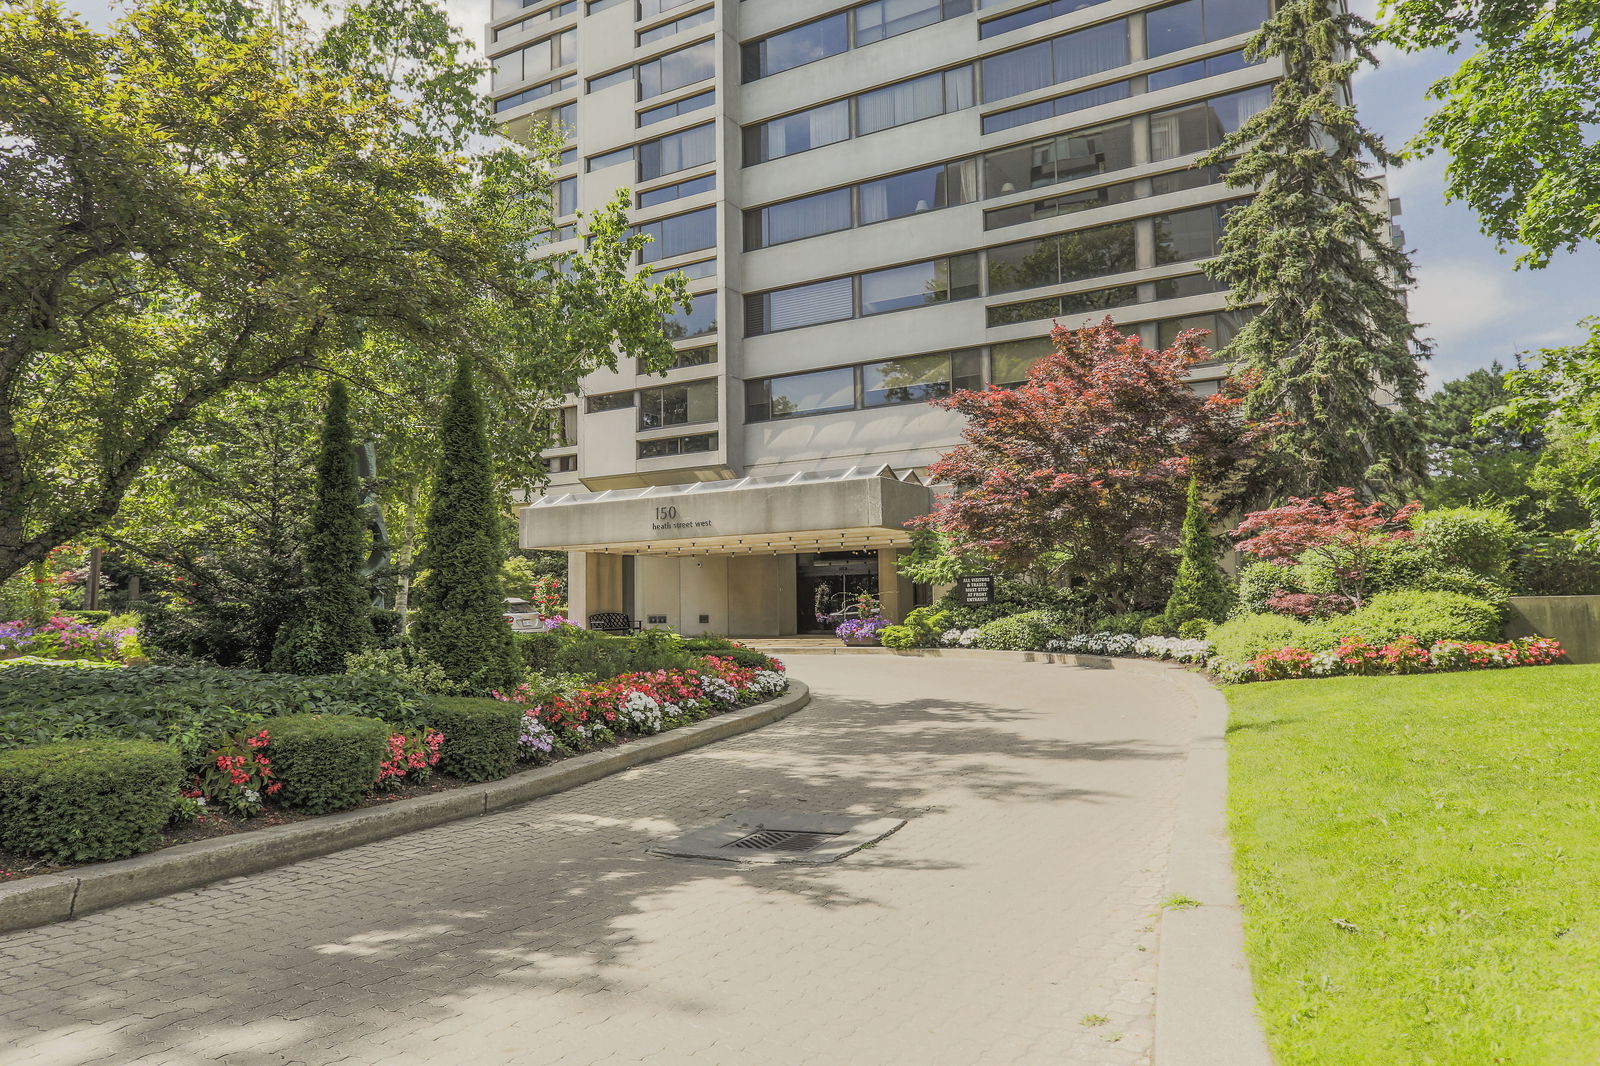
797	47
800	394
1010	362
679	235
677	107
677	151
1062	258
701	318
677	69
678	405
928	189
799	132
795	220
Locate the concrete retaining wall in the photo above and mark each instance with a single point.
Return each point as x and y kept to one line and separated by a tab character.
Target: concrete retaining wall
1573	620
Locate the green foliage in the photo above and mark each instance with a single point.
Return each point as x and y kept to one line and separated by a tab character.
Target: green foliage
1557	566
900	637
1154	626
1333	345
572	650
1126	622
86	800
405	665
459	619
1200	590
1240	638
480	736
1028	631
191	707
1476	539
1428	616
1012	596
1195	629
336	623
326	762
1259	582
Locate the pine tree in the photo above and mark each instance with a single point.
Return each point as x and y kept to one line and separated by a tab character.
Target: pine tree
460	616
336	621
1200	590
1333	345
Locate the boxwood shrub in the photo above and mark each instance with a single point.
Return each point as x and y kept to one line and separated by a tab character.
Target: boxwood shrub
86	800
1428	616
1239	639
1028	631
326	762
480	736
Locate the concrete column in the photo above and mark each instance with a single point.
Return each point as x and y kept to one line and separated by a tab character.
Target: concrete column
594	584
894	592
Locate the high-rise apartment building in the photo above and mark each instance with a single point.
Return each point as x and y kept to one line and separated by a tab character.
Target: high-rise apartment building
876	202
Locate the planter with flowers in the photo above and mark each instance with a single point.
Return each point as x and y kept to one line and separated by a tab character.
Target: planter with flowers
862	632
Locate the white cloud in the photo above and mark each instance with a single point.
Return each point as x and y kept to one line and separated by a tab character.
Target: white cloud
1458	301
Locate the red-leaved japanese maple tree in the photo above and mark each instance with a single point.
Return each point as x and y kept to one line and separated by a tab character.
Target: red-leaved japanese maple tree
1337	529
1082	471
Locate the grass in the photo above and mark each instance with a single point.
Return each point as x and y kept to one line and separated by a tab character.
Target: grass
1419	862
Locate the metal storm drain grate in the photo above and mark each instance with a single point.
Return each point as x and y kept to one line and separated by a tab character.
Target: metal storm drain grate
781	840
779	837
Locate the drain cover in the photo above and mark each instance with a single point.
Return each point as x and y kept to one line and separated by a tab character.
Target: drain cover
769	836
781	840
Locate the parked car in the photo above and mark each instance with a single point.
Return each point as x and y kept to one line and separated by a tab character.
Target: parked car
522	617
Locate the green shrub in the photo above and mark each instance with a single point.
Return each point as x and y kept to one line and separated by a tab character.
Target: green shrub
385	626
1476	539
1242	637
480	737
326	762
1200	589
1028	631
1126	622
1259	582
1556	566
1195	629
1013	597
406	664
1428	616
571	650
93	618
926	625
1154	626
900	637
86	800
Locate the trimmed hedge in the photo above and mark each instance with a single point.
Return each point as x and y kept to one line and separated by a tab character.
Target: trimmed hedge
326	762
87	800
1428	616
480	736
1237	639
1021	632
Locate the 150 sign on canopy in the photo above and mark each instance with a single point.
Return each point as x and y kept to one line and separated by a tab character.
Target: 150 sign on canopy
667	521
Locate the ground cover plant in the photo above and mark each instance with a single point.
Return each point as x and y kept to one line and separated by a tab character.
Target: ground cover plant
1415	858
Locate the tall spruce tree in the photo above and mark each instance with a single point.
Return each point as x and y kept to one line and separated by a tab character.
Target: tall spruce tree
1200	591
460	616
1335	350
336	622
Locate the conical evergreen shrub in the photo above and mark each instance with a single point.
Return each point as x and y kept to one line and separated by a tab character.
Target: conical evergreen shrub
1201	590
335	623
460	613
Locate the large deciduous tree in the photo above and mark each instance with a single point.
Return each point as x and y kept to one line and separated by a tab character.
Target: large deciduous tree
1081	473
460	604
194	204
1334	346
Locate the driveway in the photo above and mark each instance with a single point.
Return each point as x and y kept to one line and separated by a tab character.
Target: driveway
1013	919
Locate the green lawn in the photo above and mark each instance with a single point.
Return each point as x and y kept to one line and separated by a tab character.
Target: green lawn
1419	861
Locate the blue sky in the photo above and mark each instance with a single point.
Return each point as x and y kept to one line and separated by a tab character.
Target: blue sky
1473	304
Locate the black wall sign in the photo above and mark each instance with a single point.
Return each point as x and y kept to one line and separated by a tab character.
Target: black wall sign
975	590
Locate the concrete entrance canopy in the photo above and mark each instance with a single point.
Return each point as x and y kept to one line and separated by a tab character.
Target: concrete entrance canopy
863	507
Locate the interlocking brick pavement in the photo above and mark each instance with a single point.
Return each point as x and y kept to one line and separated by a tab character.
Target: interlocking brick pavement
1020	899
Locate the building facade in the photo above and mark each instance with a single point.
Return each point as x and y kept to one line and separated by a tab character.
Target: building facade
875	203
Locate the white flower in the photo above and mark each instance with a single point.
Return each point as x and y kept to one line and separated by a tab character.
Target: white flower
200	800
252	796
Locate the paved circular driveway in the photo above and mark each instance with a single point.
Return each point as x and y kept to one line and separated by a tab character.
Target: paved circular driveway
1012	919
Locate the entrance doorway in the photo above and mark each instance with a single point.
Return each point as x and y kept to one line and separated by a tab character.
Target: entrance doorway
827	584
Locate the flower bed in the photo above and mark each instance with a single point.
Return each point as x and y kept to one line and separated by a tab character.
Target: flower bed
70	639
1357	658
861	630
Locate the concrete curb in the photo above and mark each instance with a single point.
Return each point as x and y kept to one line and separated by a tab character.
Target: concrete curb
57	897
1205	1000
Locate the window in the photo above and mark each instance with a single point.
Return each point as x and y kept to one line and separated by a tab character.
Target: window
566	196
562	464
1065	157
1073	303
1028	16
1200	68
802	305
797	47
1061	105
797	219
679	235
569	156
677	151
1061	258
678	107
534	60
928	189
538	92
1010	362
651	8
800	394
704	355
688	22
606	81
596	6
1185	235
701	318
1186	285
1188	178
667	446
611	401
610	159
882	19
677	69
705	268
919	378
1071	203
533	20
914	100
1072	55
564	427
562	120
798	132
1224	326
919	284
1193	22
667	193
678	405
1202	126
